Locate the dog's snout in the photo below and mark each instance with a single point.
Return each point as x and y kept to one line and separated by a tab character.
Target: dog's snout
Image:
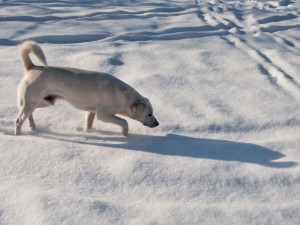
154	124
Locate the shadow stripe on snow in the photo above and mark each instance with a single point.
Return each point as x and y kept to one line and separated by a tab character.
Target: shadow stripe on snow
69	39
277	18
168	37
57	39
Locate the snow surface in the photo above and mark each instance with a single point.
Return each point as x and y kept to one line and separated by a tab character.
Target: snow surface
223	78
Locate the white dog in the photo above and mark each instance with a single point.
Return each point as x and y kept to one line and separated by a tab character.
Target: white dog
97	93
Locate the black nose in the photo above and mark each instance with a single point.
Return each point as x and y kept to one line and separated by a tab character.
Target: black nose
156	124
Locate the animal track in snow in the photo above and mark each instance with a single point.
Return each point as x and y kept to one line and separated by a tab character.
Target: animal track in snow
251	27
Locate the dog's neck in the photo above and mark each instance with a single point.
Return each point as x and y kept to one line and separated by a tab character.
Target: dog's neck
127	106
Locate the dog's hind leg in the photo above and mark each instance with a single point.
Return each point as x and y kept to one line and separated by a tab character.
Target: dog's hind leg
31	122
89	119
115	120
24	113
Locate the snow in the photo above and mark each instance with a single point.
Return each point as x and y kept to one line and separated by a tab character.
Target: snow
223	78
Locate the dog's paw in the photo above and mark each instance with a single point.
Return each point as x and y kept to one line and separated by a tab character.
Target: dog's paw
18	133
32	127
125	131
87	130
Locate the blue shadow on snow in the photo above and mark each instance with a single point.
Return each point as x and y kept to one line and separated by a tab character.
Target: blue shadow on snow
177	145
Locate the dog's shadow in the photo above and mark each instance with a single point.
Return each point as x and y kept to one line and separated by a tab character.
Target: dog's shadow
178	145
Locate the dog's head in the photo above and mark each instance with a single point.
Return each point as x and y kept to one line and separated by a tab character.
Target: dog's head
143	112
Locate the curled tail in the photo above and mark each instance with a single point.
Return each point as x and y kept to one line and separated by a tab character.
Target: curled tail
26	48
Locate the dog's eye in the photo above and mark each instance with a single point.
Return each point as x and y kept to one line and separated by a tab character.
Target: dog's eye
150	115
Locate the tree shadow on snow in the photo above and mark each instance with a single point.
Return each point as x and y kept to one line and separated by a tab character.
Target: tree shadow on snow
178	145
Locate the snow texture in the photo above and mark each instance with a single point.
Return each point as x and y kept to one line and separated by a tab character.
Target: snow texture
223	78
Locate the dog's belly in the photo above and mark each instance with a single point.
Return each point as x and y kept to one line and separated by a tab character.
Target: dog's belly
85	108
85	104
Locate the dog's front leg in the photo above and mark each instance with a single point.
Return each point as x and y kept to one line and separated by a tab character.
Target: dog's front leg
115	120
89	119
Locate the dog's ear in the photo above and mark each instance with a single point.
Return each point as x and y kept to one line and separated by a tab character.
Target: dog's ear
138	108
